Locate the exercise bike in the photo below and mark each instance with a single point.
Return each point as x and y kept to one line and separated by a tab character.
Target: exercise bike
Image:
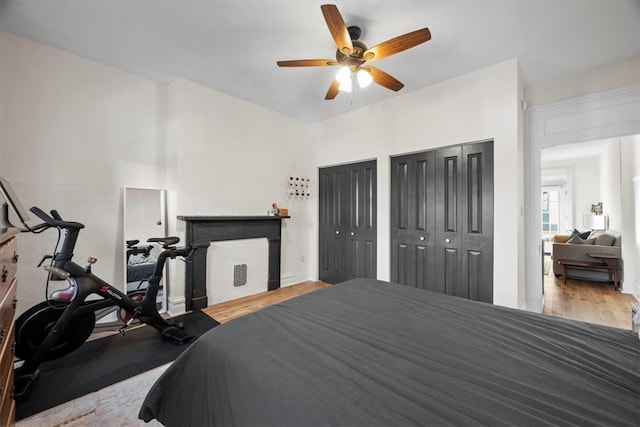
62	323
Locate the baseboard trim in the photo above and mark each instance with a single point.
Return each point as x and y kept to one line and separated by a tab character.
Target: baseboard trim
176	306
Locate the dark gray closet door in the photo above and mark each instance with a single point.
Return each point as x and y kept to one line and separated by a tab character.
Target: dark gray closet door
413	220
448	232
442	220
331	230
361	231
348	217
477	221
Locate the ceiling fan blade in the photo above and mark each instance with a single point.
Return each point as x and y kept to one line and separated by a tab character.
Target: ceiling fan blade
333	90
384	79
397	44
307	63
337	28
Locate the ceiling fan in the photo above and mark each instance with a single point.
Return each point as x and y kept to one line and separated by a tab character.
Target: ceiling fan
352	55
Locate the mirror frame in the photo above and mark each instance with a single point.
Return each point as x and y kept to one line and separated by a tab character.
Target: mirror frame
163	220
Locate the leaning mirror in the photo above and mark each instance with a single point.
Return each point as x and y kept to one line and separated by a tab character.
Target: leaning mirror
144	217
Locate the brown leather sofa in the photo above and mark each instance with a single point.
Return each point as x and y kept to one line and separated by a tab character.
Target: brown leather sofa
563	250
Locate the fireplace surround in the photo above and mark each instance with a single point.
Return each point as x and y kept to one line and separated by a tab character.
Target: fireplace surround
206	229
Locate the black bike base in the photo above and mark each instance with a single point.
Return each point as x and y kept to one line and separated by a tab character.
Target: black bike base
22	383
177	336
105	361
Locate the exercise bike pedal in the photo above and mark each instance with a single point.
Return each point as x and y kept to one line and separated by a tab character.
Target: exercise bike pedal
176	335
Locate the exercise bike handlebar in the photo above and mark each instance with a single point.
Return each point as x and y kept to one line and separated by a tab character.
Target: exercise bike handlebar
57	222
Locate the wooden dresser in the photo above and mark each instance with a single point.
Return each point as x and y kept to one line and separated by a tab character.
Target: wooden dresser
8	267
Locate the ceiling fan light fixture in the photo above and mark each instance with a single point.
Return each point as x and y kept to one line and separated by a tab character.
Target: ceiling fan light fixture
364	78
345	86
343	77
351	54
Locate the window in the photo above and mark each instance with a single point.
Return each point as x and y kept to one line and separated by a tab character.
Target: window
550	212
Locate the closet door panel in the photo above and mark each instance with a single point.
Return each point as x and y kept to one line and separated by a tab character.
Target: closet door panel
448	240
331	231
477	220
450	270
362	232
474	274
401	254
412	216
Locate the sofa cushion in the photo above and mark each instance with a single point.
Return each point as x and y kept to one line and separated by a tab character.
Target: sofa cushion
605	240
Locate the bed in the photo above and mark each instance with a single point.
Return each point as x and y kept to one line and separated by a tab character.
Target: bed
366	352
139	270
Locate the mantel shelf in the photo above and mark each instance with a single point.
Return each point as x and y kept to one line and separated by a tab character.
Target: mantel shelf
230	217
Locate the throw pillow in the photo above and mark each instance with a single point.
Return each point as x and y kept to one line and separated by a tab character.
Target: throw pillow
576	240
584	235
605	240
595	233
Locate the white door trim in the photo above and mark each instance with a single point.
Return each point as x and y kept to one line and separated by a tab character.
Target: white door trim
607	114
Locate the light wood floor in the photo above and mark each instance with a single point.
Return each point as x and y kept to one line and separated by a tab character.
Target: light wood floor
225	311
593	302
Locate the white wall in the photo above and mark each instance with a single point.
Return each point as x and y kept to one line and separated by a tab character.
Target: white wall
590	81
630	211
74	134
235	158
79	132
477	106
610	183
585	178
3	141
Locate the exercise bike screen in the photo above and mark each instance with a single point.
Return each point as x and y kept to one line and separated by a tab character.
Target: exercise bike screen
11	198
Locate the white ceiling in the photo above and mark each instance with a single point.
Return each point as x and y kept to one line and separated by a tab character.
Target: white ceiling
233	46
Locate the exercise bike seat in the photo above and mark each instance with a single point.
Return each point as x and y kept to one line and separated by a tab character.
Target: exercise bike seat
165	241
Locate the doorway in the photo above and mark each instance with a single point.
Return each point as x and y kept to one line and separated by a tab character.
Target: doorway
588	117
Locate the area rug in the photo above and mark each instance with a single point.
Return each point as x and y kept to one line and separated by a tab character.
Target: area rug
105	361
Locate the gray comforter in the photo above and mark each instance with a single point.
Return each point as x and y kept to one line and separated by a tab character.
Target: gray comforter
368	353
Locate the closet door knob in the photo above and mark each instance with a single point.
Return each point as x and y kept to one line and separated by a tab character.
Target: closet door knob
352	233
422	238
337	231
447	240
